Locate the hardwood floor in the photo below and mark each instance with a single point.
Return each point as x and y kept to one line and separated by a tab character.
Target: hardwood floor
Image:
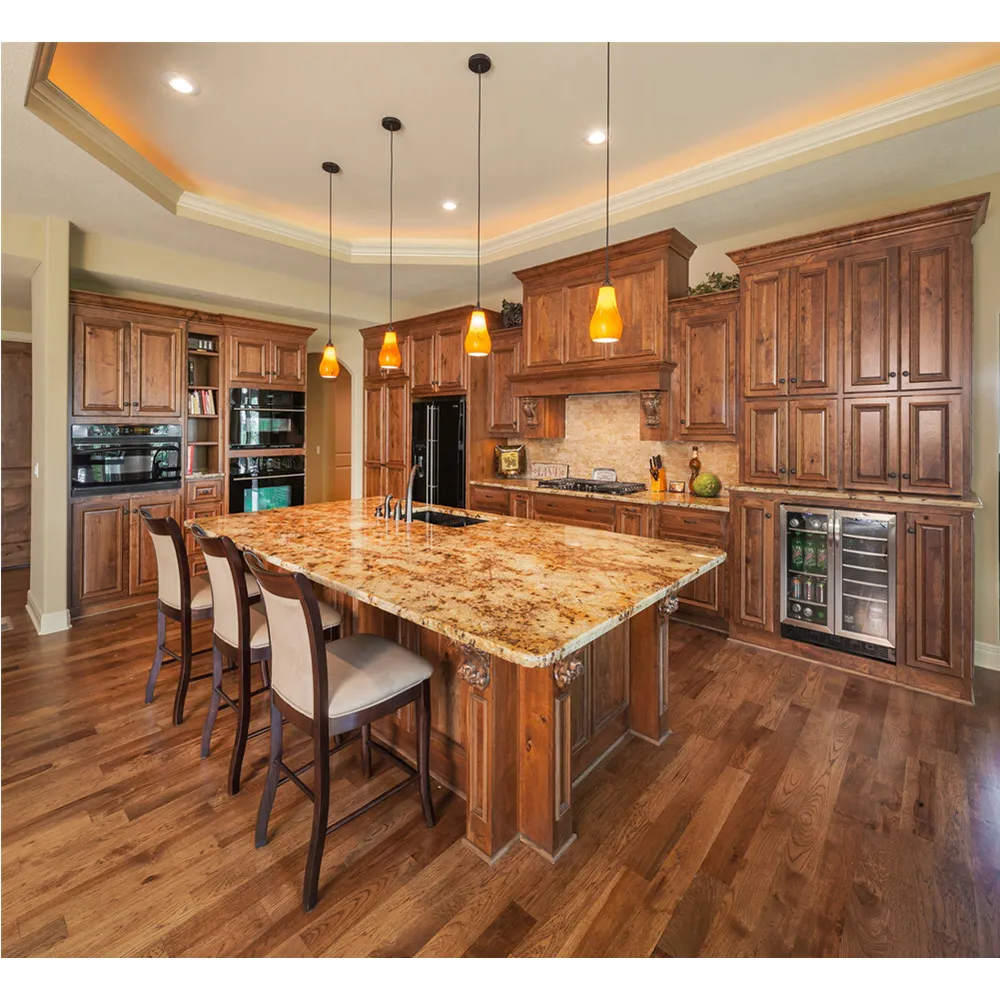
795	810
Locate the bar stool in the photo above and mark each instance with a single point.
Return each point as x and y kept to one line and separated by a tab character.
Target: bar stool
329	689
180	599
240	634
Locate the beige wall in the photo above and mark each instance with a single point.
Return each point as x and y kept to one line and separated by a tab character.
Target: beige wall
986	363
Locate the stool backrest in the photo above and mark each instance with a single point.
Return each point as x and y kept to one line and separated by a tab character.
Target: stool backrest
230	600
298	650
172	578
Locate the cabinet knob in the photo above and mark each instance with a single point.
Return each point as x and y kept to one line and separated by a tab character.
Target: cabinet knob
768	516
892	475
906	374
911	531
792	471
782	470
893	374
793	379
906	475
781	381
683	421
135	402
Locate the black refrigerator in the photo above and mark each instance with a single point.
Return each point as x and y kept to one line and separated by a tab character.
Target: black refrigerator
439	447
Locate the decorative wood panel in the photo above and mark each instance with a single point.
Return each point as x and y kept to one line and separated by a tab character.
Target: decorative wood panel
813	443
752	572
706	595
423	361
764	335
871	320
640	296
451	357
543	328
374	448
871	443
579	301
931	436
101	374
504	360
397	423
815	329
155	367
764	449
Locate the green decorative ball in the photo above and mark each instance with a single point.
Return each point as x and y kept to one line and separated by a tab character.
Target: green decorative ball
706	485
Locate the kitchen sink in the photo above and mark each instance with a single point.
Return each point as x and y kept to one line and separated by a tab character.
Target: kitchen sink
446	520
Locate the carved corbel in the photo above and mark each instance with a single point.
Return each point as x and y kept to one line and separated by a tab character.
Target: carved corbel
651	406
567	671
475	668
667	607
529	409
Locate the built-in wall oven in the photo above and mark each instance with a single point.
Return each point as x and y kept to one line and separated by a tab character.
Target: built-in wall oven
115	458
838	579
266	418
263	482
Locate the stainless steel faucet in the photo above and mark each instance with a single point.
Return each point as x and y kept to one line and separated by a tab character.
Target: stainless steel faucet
417	470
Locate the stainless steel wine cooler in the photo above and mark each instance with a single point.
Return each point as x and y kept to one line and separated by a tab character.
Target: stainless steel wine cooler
838	579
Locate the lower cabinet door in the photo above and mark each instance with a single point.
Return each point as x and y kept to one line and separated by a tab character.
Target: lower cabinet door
100	551
935	592
374	481
632	519
519	505
752	558
706	595
142	556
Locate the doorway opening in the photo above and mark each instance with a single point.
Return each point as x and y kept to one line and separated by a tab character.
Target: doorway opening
328	434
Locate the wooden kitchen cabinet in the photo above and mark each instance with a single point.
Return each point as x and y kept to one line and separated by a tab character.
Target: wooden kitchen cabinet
752	562
257	359
504	360
155	369
705	598
100	550
387	437
194	511
764	333
493	499
765	437
633	519
935	589
579	511
288	365
520	505
141	554
438	363
813	443
703	335
871	319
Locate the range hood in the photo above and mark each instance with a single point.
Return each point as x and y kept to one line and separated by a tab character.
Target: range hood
645	375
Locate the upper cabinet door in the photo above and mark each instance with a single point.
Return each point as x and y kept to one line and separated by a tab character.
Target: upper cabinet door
423	361
932	315
705	349
871	443
813	443
397	423
931	444
504	361
765	334
764	442
639	293
543	327
374	451
871	320
101	380
156	353
451	364
250	358
579	301
288	364
815	329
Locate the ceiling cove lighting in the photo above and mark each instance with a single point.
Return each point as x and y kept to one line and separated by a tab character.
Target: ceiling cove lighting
477	340
606	323
329	366
180	83
389	357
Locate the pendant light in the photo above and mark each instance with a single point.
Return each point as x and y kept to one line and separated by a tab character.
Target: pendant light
329	366
606	323
389	357
477	340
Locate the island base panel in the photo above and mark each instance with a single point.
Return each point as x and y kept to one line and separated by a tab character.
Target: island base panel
648	661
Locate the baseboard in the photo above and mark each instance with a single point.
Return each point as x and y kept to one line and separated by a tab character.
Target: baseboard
987	656
51	621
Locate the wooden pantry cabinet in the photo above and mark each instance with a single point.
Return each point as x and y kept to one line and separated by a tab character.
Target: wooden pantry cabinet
752	561
791	443
387	437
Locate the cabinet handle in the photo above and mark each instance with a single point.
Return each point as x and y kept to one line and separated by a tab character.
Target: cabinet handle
781	381
906	374
793	379
906	475
893	374
892	475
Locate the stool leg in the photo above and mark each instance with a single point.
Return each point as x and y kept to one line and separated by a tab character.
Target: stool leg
366	751
321	809
213	705
265	673
271	784
424	751
154	670
185	676
242	726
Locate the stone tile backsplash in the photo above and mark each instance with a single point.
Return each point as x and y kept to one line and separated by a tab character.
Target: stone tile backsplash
602	430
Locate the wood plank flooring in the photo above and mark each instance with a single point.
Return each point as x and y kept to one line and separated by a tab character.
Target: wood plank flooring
794	810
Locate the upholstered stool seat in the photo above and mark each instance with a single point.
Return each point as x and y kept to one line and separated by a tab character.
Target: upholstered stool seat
327	690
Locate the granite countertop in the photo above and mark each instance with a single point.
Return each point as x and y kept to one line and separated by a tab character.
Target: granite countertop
719	503
527	591
204	475
832	496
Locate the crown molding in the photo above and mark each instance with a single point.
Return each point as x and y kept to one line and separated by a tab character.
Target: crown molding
919	109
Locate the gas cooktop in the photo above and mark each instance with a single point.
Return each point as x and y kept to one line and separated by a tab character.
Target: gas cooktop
592	486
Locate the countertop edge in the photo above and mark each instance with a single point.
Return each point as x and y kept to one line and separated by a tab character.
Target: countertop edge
717	504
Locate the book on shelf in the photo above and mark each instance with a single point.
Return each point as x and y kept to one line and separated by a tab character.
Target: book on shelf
201	402
190	463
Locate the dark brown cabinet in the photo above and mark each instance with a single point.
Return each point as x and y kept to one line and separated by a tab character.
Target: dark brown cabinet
437	360
764	333
752	562
703	344
871	319
813	443
504	361
871	443
705	598
765	443
141	554
387	441
257	359
934	594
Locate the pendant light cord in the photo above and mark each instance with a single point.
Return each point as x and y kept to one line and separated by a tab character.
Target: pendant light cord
392	136
479	185
607	178
329	335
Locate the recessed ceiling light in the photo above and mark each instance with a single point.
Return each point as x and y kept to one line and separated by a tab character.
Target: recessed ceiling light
449	206
597	137
182	84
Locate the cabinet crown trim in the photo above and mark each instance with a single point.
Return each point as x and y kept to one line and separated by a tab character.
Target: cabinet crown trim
972	209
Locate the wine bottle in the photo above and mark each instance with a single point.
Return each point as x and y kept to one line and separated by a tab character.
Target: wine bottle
695	467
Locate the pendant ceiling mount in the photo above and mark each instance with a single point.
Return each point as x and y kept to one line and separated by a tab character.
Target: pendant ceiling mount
391	124
480	63
330	167
477	339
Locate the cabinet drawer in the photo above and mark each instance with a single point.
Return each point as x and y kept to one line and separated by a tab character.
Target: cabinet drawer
681	525
195	511
495	500
575	510
199	490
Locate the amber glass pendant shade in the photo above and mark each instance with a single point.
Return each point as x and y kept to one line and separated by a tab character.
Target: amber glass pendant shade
389	356
329	366
606	323
477	340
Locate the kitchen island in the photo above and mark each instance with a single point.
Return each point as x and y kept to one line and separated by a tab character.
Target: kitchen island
549	642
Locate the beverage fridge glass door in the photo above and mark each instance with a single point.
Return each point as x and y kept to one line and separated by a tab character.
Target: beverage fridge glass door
866	597
807	567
